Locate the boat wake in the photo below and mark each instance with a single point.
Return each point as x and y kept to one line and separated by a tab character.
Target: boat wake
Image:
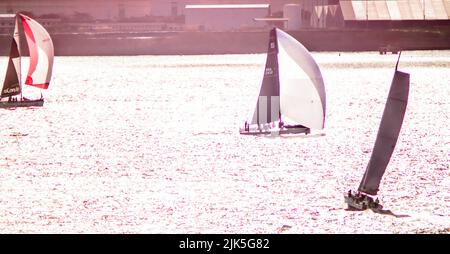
18	134
380	211
389	212
211	133
303	136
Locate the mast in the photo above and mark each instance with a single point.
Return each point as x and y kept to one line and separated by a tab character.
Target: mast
19	62
398	60
388	132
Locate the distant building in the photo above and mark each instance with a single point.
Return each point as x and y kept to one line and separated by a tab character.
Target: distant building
229	17
314	14
288	14
80	9
7	23
319	14
395	13
177	7
116	10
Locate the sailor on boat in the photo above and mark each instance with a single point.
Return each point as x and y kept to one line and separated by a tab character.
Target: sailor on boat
246	126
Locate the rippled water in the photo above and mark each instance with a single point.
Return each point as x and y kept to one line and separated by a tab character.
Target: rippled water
150	144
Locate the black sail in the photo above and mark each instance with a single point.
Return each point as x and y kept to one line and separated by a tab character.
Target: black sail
268	105
11	84
391	123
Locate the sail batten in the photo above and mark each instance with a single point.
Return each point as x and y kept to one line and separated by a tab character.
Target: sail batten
388	133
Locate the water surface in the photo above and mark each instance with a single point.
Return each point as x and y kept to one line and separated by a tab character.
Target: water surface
150	144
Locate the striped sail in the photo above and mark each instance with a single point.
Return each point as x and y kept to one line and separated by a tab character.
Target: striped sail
41	50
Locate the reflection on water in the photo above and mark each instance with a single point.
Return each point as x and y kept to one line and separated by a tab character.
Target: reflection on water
151	144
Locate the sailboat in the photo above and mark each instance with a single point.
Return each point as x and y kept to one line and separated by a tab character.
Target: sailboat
41	50
292	94
388	132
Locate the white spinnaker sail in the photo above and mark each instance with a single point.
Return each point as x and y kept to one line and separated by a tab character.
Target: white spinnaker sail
302	91
41	50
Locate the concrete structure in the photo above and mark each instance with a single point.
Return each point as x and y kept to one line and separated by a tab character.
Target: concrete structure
119	9
292	12
327	14
177	7
319	14
231	17
69	9
7	23
274	22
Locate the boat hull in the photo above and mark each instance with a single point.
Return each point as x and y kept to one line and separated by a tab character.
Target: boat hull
20	104
361	202
275	131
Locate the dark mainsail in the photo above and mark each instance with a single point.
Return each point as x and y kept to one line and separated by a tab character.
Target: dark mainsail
11	84
268	105
391	123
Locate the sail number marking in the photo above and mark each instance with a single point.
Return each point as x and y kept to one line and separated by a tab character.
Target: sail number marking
11	90
269	71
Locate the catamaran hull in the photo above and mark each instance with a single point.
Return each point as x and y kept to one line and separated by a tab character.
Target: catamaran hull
19	104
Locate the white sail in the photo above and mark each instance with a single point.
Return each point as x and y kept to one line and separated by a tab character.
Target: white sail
41	53
302	91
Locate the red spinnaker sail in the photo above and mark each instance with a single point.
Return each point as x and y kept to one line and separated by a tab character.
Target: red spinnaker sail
41	50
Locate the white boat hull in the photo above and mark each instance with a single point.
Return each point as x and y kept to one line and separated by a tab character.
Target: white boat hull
274	131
